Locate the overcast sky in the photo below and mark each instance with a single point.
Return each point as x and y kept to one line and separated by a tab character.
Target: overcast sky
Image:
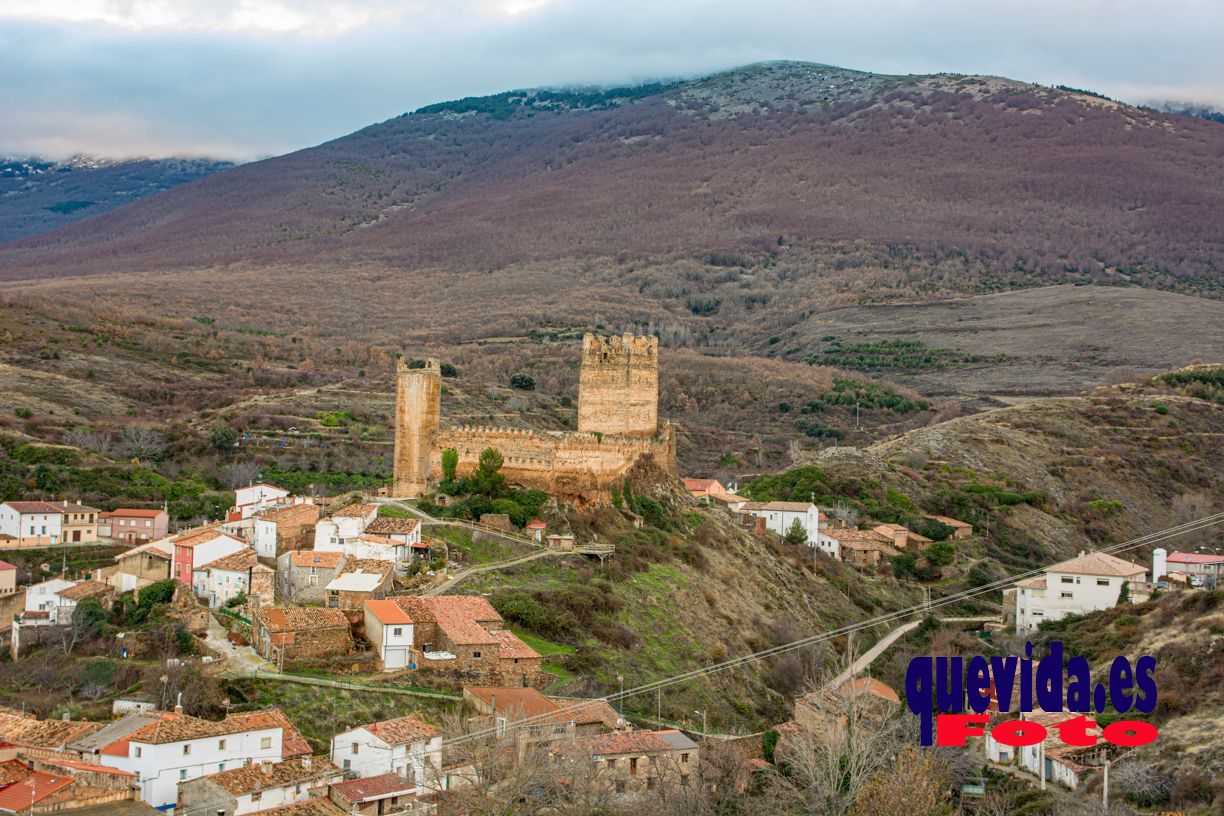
249	78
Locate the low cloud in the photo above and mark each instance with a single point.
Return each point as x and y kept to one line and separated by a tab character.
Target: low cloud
245	78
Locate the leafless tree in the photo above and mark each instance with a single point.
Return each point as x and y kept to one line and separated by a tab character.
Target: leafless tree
140	442
828	767
238	474
99	442
845	513
1189	507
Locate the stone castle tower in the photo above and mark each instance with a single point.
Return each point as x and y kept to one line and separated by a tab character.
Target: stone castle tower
618	387
418	414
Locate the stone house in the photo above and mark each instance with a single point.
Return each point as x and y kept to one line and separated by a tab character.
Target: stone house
463	635
301	576
902	537
134	526
815	710
634	764
542	719
960	529
276	530
406	747
82	590
864	549
285	634
142	565
258	786
360	580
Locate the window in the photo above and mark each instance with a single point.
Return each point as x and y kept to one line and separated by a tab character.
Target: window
148	522
221	766
632	766
256	796
354	748
1102	582
684	758
265	743
297	788
1067	579
183	773
476	655
312	580
138	752
187	749
1068	594
221	745
620	786
347	764
611	764
397	631
651	783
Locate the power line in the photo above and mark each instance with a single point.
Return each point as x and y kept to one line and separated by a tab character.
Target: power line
956	597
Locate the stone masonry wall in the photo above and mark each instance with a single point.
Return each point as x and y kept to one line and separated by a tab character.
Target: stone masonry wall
575	467
418	408
618	385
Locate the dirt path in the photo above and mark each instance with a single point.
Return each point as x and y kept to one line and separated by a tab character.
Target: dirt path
869	656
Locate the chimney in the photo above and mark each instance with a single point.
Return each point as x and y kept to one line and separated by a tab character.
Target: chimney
265	765
493	704
66	716
306	763
178	705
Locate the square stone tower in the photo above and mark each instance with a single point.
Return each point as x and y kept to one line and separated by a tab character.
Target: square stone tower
418	414
618	387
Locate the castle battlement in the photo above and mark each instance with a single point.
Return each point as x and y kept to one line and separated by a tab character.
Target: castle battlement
618	426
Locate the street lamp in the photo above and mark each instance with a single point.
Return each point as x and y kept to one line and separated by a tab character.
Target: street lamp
703	722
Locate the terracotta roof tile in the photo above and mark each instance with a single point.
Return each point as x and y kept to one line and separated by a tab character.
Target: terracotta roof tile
289	512
1098	563
388	612
355	510
238	561
33	789
86	589
259	776
296	618
402	730
369	565
37	733
388	525
130	512
181	727
315	558
515	703
373	787
513	647
34	507
625	742
315	806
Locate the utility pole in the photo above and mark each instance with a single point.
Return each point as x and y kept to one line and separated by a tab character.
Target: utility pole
620	699
659	705
1105	788
1041	763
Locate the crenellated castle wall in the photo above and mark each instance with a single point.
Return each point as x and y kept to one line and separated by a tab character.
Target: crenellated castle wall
618	426
577	467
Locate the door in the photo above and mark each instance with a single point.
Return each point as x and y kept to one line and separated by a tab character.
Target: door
76	535
397	658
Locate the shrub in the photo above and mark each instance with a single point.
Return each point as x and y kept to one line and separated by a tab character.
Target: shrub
450	461
523	382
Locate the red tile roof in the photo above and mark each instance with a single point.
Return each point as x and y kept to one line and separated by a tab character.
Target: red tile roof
536	525
458	616
388	525
85	766
238	561
34	507
513	647
31	790
258	776
373	787
356	510
388	612
135	513
293	744
517	703
315	558
289	511
86	589
297	618
625	742
402	730
1195	558
4	565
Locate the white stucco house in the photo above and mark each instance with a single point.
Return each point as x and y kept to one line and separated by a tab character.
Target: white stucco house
176	747
347	522
251	499
389	630
1086	583
45	597
33	522
405	746
780	515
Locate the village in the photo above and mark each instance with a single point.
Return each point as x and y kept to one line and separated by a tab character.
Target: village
368	585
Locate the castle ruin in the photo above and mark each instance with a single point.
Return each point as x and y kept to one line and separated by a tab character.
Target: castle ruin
618	427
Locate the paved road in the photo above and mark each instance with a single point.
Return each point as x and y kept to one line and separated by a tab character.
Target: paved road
875	651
